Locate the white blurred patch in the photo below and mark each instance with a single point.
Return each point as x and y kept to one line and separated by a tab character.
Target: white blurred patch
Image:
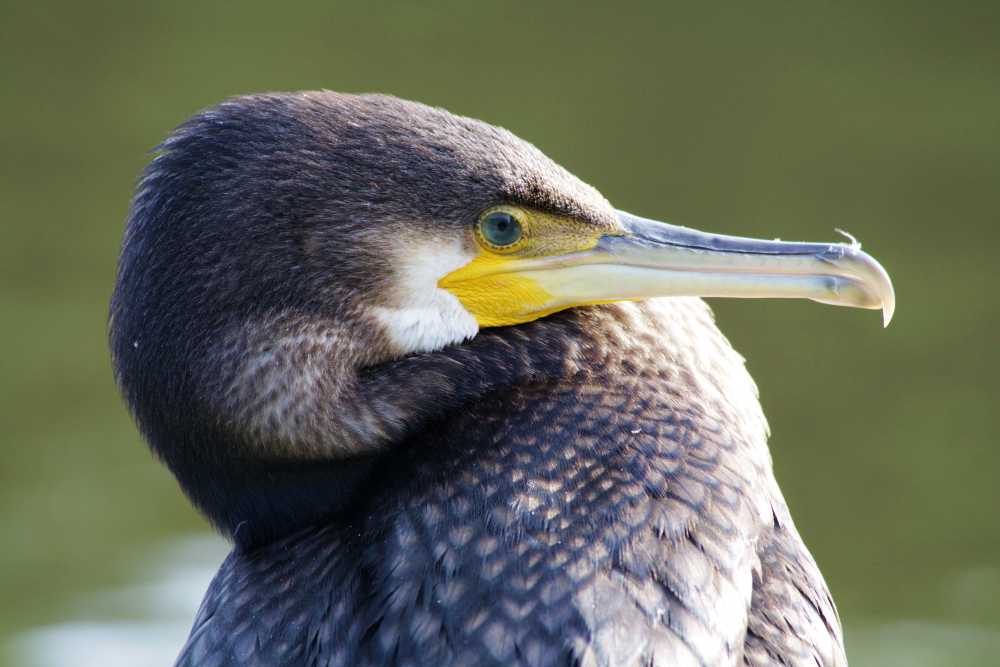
108	644
139	626
427	317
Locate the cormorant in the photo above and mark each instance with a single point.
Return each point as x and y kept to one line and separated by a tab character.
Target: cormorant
350	327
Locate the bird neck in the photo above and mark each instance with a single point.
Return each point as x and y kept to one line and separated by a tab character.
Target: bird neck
286	433
276	425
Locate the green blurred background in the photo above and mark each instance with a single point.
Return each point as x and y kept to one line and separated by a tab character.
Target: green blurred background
776	120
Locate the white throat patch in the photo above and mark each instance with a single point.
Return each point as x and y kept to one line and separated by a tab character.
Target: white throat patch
427	317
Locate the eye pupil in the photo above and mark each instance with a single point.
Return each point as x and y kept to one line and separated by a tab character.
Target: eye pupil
501	228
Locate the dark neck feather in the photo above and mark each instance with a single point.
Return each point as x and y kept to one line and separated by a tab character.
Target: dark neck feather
258	479
256	491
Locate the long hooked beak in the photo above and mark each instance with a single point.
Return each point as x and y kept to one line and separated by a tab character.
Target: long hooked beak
657	259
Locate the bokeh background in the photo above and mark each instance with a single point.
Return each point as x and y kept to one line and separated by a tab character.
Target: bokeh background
766	119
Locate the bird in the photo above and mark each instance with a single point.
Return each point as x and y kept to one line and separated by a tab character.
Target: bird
452	407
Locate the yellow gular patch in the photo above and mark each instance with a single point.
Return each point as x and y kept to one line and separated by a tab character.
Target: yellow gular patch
494	294
497	287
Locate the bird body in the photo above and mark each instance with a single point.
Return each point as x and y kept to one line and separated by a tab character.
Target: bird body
600	511
346	324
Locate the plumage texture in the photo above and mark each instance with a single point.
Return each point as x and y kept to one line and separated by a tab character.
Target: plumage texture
616	509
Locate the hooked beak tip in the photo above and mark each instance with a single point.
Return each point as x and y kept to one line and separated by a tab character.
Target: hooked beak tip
888	308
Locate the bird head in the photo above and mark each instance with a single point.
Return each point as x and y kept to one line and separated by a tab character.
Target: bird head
280	244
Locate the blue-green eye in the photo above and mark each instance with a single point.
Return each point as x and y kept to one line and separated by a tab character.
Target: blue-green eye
500	228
